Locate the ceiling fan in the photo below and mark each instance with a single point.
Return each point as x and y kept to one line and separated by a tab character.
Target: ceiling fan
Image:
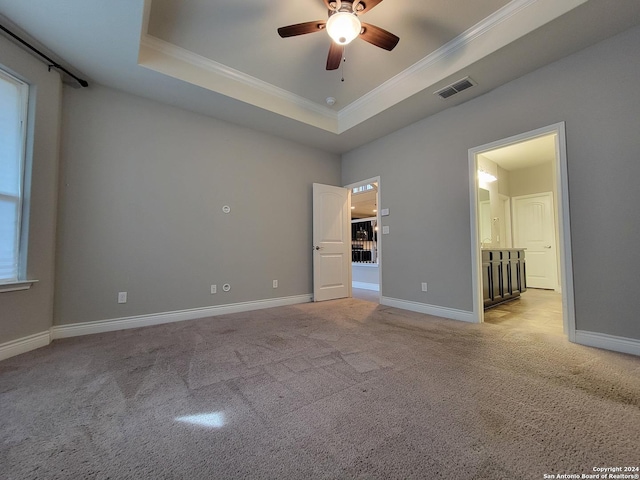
343	26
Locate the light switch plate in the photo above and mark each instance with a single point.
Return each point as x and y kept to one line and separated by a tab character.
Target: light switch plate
385	229
384	212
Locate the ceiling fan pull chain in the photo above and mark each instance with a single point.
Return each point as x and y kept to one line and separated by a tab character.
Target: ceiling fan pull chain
344	60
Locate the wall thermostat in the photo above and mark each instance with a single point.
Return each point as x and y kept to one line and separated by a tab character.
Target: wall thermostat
226	209
226	287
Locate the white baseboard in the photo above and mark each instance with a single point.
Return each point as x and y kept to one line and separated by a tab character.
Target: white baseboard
366	286
101	326
434	310
24	345
608	342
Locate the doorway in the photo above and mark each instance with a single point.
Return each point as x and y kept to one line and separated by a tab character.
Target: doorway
519	199
366	265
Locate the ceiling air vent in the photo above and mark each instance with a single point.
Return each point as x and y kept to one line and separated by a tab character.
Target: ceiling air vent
454	88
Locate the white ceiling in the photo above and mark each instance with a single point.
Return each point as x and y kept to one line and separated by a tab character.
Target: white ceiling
524	154
224	59
363	204
242	36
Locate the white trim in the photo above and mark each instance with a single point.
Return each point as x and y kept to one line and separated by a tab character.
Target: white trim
110	325
169	59
608	342
233	74
24	345
366	219
564	234
16	286
439	55
504	26
374	287
436	311
562	185
146	15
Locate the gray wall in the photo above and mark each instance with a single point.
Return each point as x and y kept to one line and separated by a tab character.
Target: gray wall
28	312
527	181
141	194
503	181
424	183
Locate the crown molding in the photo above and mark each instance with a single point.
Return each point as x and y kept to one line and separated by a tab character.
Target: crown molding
504	26
167	58
441	53
509	23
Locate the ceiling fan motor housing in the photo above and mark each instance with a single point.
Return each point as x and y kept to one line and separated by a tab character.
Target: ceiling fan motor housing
346	6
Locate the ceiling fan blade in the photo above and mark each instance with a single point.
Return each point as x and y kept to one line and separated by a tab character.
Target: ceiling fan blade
378	37
335	56
301	28
368	5
328	4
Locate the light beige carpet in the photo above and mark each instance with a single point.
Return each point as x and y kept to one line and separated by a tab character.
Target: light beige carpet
342	389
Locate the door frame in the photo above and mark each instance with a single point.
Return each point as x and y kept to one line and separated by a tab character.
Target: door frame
351	186
562	214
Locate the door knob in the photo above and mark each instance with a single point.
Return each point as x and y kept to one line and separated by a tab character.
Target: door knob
316	248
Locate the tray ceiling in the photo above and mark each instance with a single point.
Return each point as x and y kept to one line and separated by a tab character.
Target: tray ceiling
225	59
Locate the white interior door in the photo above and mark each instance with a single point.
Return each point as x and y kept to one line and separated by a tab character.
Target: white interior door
331	243
534	229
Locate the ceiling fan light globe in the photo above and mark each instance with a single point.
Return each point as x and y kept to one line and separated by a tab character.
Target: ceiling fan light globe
343	27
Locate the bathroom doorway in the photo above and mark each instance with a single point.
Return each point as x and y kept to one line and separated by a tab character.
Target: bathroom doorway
519	208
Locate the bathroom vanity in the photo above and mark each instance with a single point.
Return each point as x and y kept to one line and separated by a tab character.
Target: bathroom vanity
503	275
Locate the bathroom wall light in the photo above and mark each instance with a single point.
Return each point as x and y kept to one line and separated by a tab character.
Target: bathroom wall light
485	177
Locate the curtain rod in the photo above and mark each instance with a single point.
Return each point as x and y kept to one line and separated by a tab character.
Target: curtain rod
52	63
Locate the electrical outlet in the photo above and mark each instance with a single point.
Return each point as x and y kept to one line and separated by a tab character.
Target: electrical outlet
424	286
385	229
214	289
275	284
122	297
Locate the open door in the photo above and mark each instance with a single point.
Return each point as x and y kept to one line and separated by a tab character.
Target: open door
331	243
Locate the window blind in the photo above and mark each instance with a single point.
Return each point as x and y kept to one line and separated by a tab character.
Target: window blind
13	100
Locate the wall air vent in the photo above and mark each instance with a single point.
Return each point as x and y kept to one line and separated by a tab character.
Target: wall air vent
455	87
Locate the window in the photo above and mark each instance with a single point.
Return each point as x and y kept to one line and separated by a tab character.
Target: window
363	188
13	110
